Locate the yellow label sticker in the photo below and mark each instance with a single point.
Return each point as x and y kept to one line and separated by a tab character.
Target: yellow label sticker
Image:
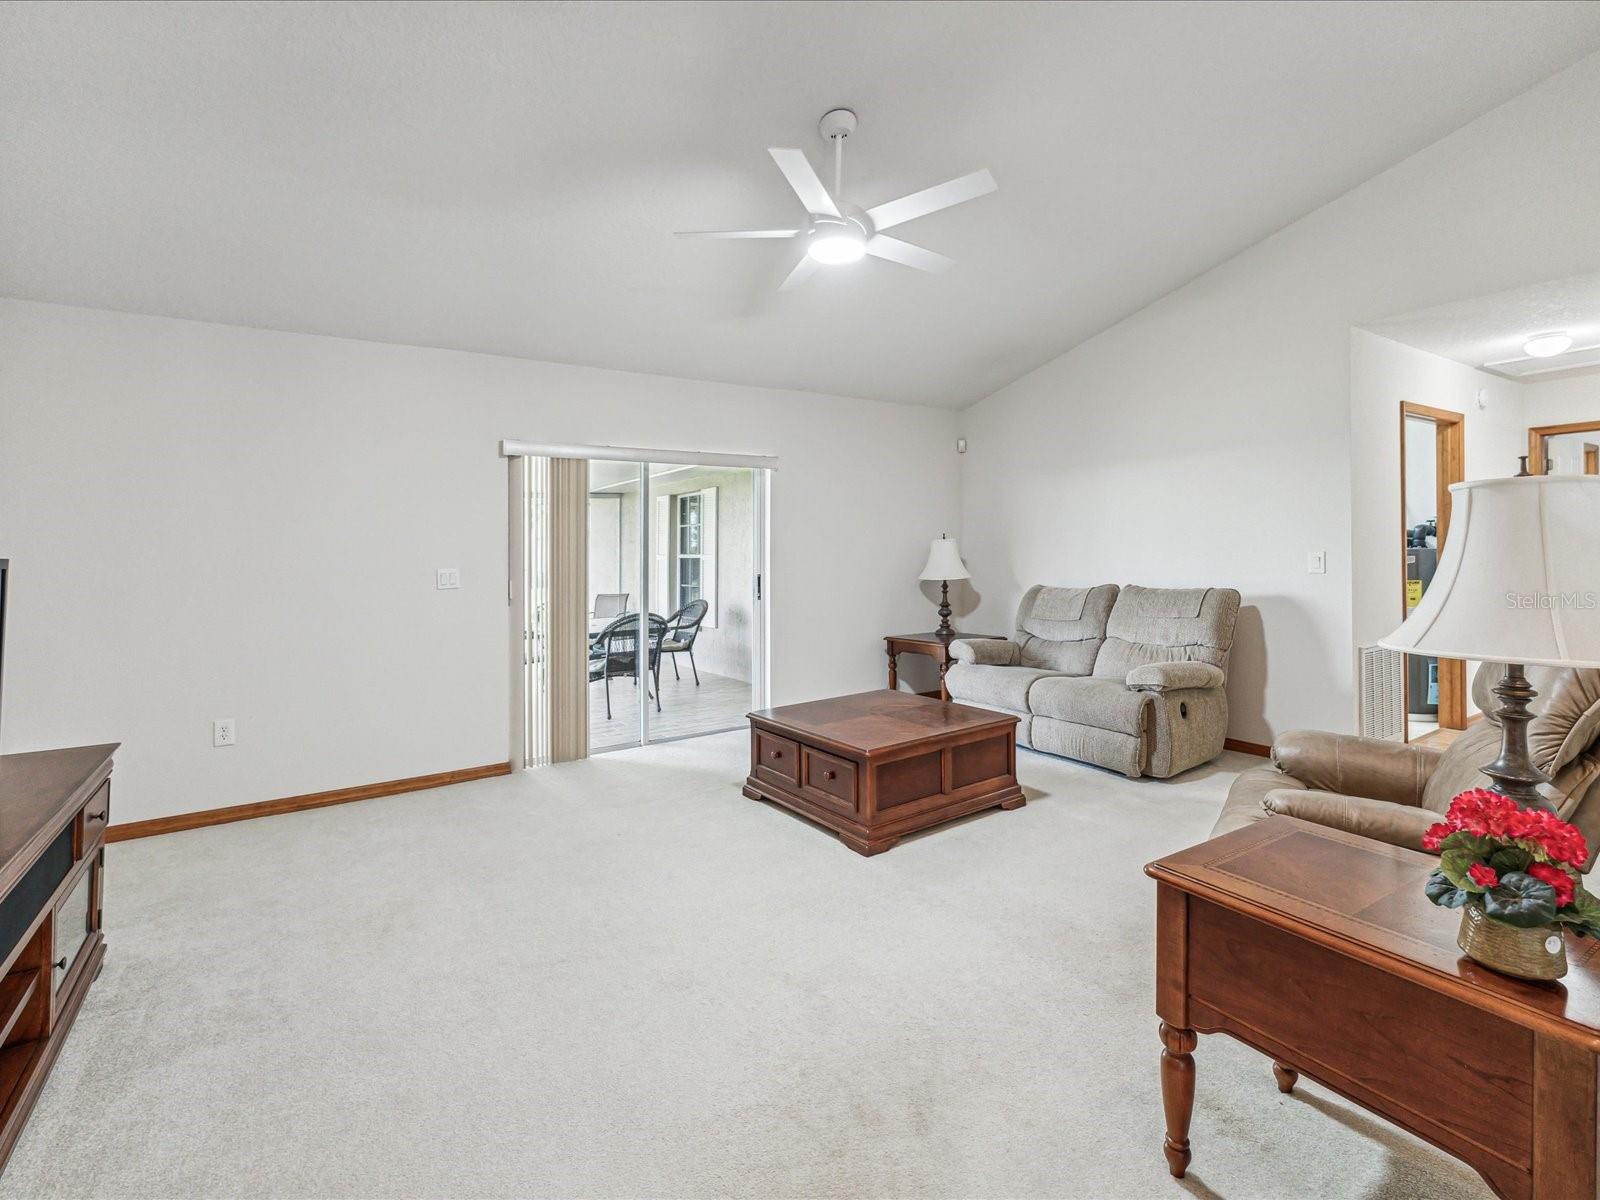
1413	592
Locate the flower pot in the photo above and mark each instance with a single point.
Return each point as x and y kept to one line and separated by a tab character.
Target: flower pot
1536	953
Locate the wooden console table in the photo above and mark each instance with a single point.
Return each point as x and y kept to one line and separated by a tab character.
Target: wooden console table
931	644
54	805
1318	949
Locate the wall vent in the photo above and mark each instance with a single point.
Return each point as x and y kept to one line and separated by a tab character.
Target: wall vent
1382	711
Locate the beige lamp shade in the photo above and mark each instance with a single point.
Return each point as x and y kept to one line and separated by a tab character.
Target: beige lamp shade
1518	580
944	561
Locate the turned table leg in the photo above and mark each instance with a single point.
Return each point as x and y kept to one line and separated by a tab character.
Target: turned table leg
894	675
1286	1077
944	666
1177	1094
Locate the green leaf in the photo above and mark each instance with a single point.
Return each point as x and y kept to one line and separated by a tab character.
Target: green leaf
1456	862
1583	914
1510	858
1442	892
1521	901
1479	847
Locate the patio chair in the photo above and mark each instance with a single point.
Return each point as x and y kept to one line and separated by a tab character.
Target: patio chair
683	627
613	652
610	604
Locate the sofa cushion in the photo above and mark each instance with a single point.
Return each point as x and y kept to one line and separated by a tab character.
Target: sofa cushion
1107	748
993	687
1458	766
1561	741
1084	700
1155	625
1060	629
1568	720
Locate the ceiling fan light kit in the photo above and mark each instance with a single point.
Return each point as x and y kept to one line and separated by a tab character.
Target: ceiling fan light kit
837	232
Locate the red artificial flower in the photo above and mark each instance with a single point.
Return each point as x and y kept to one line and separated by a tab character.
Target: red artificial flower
1483	813
1557	879
1483	875
1434	835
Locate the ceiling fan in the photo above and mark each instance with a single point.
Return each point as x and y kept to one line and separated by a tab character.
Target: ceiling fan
836	232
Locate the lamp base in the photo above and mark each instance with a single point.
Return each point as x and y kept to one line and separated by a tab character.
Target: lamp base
945	631
1513	774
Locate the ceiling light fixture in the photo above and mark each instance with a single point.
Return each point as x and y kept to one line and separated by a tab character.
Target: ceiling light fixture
1547	345
836	242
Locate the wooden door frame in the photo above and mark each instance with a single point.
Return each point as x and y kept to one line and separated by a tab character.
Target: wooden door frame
1538	433
1450	467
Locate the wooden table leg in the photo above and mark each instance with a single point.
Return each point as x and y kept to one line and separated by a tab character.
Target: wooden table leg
1286	1077
894	676
944	692
1177	1094
1565	1093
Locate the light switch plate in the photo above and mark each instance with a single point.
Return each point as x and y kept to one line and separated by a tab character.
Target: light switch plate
224	732
449	577
1317	562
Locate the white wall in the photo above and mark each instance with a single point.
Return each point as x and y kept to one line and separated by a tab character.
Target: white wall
1563	401
208	521
1385	374
1208	438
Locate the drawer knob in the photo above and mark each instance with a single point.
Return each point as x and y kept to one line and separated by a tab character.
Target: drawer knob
777	754
60	966
827	774
89	816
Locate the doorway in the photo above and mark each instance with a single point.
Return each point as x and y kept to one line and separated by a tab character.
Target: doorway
1570	449
1432	457
638	594
674	546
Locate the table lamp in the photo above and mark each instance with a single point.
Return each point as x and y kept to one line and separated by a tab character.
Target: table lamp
944	564
1518	582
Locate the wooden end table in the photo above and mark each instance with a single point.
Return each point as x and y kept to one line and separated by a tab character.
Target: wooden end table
934	646
876	766
1318	949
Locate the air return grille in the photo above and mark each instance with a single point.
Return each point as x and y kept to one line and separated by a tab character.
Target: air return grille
1383	694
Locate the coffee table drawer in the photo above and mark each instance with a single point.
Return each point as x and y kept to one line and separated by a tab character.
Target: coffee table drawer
827	779
776	756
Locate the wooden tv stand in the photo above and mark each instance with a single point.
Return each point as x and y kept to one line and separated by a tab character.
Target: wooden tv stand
54	805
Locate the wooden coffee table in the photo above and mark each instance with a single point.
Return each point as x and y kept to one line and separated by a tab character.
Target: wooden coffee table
876	766
1319	949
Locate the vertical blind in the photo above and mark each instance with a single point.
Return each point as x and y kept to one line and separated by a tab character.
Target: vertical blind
556	565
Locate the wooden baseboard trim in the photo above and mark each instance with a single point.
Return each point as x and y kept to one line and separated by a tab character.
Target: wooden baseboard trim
1255	748
271	808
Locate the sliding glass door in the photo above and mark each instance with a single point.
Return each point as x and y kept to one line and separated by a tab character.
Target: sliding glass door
676	588
704	582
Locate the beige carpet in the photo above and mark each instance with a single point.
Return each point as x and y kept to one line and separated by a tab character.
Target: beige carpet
620	978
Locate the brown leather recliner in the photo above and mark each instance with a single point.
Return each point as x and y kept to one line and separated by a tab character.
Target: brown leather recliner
1392	792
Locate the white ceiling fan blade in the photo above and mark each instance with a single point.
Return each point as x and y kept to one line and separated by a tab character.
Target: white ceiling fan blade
797	169
908	255
931	200
740	233
803	271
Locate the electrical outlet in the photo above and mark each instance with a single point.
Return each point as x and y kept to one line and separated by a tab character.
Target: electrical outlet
224	732
449	577
1317	562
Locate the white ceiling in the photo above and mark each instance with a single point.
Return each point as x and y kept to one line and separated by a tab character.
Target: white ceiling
1491	329
506	178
